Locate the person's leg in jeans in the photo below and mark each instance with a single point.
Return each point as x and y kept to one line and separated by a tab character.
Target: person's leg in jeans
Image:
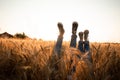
58	45
81	42
57	51
87	46
74	36
86	42
73	44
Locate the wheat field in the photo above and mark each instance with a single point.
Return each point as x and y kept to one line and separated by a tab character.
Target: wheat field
35	60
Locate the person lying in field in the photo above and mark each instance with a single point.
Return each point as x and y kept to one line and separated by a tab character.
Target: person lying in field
82	52
83	46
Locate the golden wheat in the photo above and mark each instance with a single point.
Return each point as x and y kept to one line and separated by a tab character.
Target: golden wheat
36	60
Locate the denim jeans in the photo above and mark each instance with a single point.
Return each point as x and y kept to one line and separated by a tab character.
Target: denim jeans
86	46
83	46
73	40
58	45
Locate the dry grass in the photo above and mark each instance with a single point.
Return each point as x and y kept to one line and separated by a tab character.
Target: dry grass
35	60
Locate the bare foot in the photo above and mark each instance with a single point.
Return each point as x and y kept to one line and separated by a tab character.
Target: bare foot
86	32
80	36
61	30
74	27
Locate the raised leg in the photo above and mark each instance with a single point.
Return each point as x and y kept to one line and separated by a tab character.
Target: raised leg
58	45
86	42
74	36
73	41
87	46
81	42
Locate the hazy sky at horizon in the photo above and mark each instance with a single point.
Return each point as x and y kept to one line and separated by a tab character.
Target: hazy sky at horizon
39	18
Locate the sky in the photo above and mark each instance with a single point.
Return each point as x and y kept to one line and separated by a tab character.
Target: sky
39	18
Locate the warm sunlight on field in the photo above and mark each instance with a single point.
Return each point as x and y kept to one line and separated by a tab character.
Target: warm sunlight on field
29	30
35	60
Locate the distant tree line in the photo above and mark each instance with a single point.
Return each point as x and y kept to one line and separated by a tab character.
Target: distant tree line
21	35
17	35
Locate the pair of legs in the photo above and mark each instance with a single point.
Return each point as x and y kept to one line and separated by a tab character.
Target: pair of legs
83	46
